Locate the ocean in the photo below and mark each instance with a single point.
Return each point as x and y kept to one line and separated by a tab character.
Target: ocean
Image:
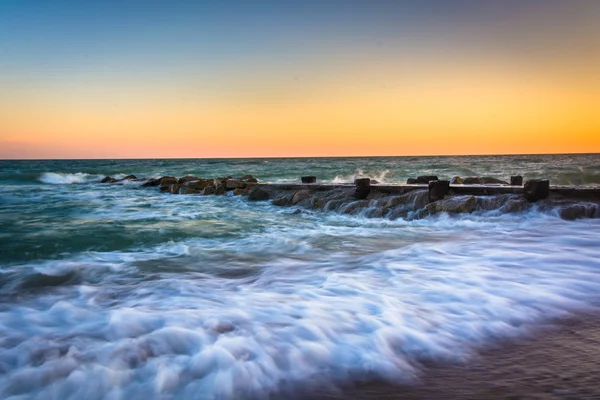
122	292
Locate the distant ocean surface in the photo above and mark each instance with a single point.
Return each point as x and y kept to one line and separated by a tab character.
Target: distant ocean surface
117	291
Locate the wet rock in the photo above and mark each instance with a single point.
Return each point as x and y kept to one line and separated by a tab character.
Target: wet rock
438	189
353	207
234	184
299	196
152	182
282	201
309	179
252	180
333	205
258	194
164	188
578	211
199	184
424	179
168	180
457	180
454	204
240	192
298	211
363	188
108	179
516	180
536	189
515	205
174	188
220	190
208	190
247	177
127	178
317	203
188	178
188	191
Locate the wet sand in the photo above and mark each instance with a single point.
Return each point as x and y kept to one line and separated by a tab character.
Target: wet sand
561	361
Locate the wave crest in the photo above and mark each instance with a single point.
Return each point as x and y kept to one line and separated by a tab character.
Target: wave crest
57	178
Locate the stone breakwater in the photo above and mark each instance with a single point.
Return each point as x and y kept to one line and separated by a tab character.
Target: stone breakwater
420	197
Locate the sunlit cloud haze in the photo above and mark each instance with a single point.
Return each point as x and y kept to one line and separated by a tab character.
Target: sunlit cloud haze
120	79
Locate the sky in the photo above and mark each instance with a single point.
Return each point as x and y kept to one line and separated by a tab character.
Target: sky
152	79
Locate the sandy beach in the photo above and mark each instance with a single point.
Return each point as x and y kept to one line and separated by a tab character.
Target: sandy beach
558	361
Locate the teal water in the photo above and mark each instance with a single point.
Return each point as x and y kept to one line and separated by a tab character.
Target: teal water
119	291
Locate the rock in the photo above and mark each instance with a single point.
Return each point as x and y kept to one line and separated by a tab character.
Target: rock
220	190
353	207
298	211
129	178
258	194
152	182
188	178
438	189
168	180
189	191
234	184
363	188
457	180
317	203
108	179
252	180
453	204
301	195
516	180
309	179
210	189
165	188
240	192
282	201
578	211
514	205
536	189
424	179
374	182
247	177
174	188
199	184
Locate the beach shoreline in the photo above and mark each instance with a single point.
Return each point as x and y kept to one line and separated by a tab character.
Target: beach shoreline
558	360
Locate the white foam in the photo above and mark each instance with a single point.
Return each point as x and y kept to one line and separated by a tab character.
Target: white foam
379	176
57	178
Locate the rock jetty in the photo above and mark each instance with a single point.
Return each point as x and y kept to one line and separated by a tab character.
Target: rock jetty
420	197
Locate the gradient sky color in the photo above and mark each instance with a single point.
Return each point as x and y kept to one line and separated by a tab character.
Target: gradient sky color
129	79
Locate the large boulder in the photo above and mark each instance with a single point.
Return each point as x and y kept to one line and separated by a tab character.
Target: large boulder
234	184
220	190
174	188
168	180
152	182
453	204
283	200
258	194
188	190
577	211
188	178
108	179
200	184
240	192
301	195
438	189
210	189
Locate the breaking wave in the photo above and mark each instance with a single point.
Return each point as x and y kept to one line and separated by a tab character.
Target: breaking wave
57	178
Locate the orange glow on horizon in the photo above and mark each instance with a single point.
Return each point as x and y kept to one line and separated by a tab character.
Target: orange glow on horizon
483	109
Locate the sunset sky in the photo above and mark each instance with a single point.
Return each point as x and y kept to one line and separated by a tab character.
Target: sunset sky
137	79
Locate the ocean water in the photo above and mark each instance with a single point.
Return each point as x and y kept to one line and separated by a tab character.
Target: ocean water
122	292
